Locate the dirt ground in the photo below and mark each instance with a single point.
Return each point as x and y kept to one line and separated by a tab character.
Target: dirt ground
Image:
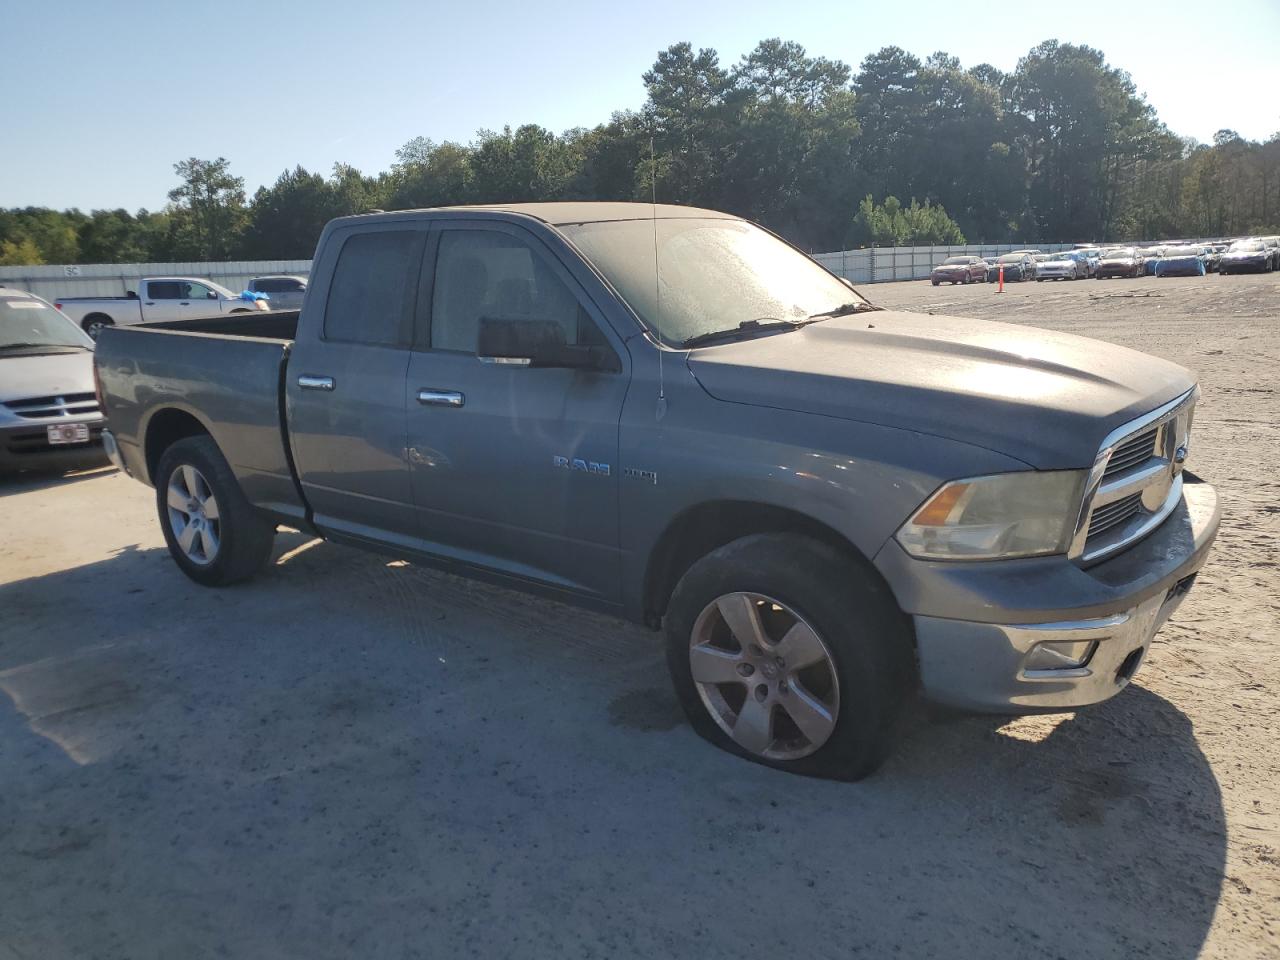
355	758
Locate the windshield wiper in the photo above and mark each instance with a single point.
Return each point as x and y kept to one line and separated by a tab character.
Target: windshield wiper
745	328
844	310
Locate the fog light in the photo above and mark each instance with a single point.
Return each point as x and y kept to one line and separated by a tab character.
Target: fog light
1061	655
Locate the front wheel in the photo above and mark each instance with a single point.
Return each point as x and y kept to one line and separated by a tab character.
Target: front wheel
95	323
786	652
214	534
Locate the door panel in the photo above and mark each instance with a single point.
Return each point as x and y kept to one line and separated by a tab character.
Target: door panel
162	299
196	302
518	473
346	389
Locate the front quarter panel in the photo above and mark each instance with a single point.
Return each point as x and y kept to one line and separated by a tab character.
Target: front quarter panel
861	480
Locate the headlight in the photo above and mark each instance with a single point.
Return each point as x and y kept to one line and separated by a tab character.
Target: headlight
997	517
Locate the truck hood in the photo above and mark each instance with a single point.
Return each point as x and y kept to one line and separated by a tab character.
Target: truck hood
45	375
1046	398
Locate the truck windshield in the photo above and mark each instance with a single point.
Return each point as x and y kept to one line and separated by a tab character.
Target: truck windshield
26	323
712	274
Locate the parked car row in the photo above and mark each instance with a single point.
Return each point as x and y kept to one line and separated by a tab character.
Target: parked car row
181	298
1180	259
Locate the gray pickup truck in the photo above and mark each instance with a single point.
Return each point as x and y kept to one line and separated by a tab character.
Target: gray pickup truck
672	415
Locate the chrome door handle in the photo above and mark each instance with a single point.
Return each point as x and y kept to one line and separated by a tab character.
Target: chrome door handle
309	382
441	398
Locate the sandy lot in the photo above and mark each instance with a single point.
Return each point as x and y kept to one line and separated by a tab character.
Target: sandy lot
356	758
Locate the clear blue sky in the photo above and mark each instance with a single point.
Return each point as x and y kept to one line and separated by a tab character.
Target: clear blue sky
99	99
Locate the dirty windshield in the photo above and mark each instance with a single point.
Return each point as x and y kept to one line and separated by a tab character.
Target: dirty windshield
30	325
714	274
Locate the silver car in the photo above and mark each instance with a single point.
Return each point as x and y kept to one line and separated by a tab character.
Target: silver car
49	414
285	292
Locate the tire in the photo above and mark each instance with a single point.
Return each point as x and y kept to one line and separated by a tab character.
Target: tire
848	698
95	323
934	282
228	546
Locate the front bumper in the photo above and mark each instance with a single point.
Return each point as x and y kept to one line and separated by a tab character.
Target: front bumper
977	624
25	446
1240	266
1180	270
1115	269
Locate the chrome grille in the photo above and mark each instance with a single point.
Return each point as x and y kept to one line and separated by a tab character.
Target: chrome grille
54	408
1131	452
1118	511
1136	481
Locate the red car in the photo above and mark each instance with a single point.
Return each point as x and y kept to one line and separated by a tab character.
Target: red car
959	270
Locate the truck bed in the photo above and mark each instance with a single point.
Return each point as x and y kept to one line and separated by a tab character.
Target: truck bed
226	374
276	325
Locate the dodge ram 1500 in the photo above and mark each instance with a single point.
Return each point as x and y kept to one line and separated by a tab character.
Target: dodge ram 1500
673	415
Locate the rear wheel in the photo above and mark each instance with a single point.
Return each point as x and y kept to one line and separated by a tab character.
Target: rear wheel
772	662
214	534
95	323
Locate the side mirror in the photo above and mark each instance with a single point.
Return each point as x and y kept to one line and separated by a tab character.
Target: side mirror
210	295
538	343
848	283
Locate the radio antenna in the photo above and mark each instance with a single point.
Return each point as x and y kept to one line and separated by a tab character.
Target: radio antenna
661	410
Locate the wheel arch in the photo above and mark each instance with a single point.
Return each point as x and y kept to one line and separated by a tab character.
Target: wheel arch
166	427
699	529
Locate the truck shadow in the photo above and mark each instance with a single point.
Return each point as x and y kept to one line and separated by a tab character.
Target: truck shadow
348	755
28	480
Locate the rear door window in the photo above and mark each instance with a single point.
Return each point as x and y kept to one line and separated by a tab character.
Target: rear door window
369	297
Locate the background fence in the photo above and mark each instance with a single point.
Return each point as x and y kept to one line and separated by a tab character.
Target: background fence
116	279
874	265
883	264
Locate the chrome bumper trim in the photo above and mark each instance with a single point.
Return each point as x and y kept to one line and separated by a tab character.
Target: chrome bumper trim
982	666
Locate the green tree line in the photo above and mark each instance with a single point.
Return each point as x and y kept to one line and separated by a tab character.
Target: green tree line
899	150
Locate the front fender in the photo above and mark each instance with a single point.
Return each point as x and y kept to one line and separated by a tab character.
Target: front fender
858	480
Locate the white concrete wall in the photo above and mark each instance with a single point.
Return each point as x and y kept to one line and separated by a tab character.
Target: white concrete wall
874	265
880	264
116	279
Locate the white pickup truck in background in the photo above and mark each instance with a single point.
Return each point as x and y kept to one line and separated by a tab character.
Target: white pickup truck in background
157	298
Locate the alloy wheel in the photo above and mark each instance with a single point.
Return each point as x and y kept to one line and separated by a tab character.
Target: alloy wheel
765	676
193	515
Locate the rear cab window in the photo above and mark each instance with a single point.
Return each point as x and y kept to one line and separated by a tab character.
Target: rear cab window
370	295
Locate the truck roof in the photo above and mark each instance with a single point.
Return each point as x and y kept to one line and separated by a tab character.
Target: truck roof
558	213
